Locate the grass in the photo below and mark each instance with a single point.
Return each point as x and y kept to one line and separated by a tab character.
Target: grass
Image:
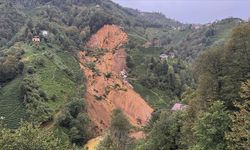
55	82
52	77
11	108
137	37
153	98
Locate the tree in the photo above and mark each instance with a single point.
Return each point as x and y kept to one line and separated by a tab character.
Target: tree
210	127
20	67
208	68
35	101
75	122
220	70
166	133
117	138
98	20
8	69
239	135
30	137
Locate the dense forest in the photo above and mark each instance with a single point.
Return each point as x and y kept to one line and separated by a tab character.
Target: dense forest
206	69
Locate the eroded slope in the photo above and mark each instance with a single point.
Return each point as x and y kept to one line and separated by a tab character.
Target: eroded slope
107	87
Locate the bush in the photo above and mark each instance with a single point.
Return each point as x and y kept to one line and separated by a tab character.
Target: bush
40	62
33	99
30	136
31	70
20	67
8	69
118	137
97	97
75	122
108	74
43	94
91	65
53	97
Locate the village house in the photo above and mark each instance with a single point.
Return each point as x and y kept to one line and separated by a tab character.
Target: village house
45	33
36	40
167	55
196	26
179	106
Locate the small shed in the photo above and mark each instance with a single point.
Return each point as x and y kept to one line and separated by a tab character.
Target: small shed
179	106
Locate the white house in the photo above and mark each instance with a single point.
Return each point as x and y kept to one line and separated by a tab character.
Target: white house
45	33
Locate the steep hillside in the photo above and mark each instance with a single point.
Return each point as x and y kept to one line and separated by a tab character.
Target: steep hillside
107	86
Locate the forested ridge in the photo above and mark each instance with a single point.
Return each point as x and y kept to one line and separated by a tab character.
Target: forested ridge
206	69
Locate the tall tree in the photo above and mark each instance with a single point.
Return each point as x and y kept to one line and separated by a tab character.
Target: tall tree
166	133
239	136
220	71
210	128
118	137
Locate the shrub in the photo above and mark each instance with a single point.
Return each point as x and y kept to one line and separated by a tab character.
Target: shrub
43	94
8	69
20	67
97	97
30	136
118	135
108	74
75	122
91	65
33	99
53	97
40	61
31	70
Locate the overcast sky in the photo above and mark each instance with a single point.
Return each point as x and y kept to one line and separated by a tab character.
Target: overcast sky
193	11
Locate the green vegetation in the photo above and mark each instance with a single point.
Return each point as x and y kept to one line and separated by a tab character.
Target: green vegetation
118	137
75	122
34	99
187	42
163	79
238	136
224	68
210	127
165	133
153	98
30	137
92	67
12	108
218	110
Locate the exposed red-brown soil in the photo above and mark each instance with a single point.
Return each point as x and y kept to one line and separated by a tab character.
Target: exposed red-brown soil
107	93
